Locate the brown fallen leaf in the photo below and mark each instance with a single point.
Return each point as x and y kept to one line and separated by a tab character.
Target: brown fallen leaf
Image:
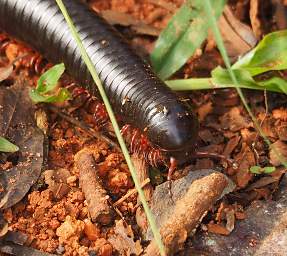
245	159
238	37
3	226
204	110
17	123
281	147
234	120
280	14
254	19
5	72
57	182
123	19
217	229
281	130
264	181
123	240
231	145
280	113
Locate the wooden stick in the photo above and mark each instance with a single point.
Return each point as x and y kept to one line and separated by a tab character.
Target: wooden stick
91	185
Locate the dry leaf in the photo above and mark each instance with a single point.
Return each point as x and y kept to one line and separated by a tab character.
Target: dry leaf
245	159
123	240
5	72
238	37
255	22
234	121
17	123
123	19
217	229
281	147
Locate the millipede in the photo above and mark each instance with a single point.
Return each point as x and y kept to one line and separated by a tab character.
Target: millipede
165	129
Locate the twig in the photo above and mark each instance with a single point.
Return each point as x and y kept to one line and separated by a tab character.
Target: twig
90	131
91	185
131	192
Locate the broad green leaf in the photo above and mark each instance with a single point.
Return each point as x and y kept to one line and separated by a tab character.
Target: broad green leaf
269	54
7	146
178	41
60	97
173	31
48	81
221	77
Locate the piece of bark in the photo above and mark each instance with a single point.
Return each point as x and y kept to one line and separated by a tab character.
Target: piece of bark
188	211
91	184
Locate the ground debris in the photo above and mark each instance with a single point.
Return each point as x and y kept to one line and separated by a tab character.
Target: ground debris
262	232
91	184
193	196
238	37
281	148
17	123
123	240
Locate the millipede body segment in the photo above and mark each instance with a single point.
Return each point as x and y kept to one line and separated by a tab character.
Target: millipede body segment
135	92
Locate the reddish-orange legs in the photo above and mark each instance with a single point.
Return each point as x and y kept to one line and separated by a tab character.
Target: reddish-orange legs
172	167
201	154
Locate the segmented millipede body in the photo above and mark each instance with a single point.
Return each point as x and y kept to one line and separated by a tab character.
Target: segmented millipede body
135	92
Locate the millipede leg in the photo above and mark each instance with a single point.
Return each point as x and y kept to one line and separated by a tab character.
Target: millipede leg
172	167
203	154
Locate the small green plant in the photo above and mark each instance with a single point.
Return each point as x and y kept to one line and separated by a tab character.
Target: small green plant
46	90
262	170
6	146
269	55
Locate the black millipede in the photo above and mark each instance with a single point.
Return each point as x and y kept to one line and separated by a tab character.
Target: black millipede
151	107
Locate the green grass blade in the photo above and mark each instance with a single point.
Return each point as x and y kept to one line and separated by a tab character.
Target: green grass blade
97	81
7	146
269	54
178	24
171	54
212	20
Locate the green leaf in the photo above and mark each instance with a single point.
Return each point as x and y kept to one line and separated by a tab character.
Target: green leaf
184	34
269	54
255	169
7	146
48	81
221	77
260	170
269	169
60	97
172	33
